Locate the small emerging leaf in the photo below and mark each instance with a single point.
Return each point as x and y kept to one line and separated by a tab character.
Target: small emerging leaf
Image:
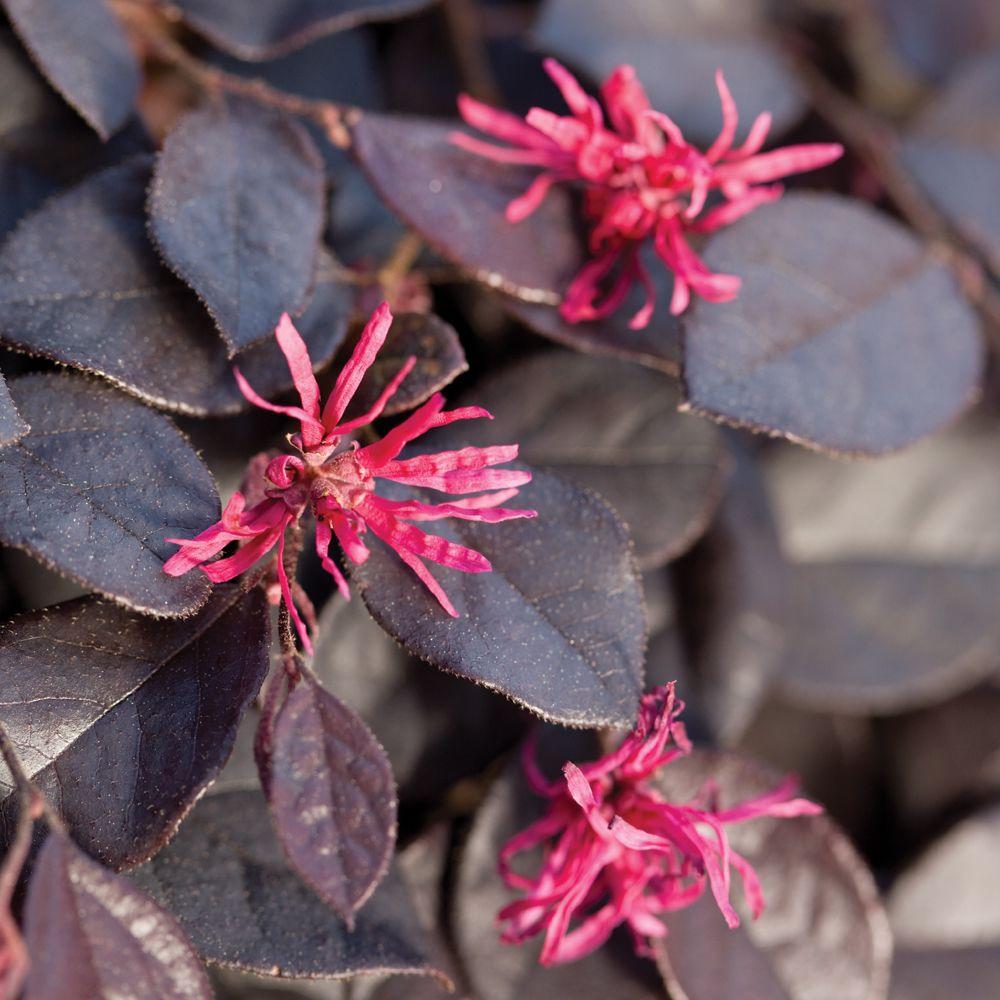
91	934
333	797
236	206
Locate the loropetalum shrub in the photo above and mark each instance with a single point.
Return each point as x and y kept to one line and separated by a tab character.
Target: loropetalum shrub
247	251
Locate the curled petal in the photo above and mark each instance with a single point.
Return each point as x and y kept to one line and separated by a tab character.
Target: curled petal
300	365
730	119
379	405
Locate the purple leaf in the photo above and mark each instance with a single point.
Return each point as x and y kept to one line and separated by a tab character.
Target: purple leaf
226	880
278	27
953	149
12	427
122	720
93	934
70	292
236	206
96	488
613	428
823	932
333	797
676	47
832	289
456	201
936	974
440	360
563	602
81	48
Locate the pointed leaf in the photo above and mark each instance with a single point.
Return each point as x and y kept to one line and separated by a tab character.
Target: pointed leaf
676	46
333	797
456	201
12	426
848	334
81	48
96	488
281	26
440	360
92	934
226	880
71	292
953	150
563	602
123	720
236	206
823	933
613	428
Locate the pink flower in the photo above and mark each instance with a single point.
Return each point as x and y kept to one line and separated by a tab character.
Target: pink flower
616	851
336	480
641	181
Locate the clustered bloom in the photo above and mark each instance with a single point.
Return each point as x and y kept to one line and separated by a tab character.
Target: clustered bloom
336	480
641	181
616	851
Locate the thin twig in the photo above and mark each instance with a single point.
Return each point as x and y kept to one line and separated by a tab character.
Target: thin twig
333	118
469	47
875	142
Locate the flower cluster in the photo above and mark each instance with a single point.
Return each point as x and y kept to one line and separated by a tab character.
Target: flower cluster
336	480
641	181
616	851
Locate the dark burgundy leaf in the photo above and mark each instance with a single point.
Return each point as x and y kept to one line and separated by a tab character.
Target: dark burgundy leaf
436	729
236	206
226	880
81	48
563	603
333	797
898	562
501	972
81	284
954	151
93	934
934	38
456	201
832	289
12	427
676	46
281	26
733	595
44	143
948	897
123	720
98	486
658	346
939	974
614	428
823	933
440	360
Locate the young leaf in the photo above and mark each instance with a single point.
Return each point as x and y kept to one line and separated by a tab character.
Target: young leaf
948	897
676	47
830	289
440	360
12	426
92	934
823	932
954	151
563	602
896	562
333	797
456	201
226	880
281	26
613	428
236	206
122	720
96	488
81	284
81	48
500	972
